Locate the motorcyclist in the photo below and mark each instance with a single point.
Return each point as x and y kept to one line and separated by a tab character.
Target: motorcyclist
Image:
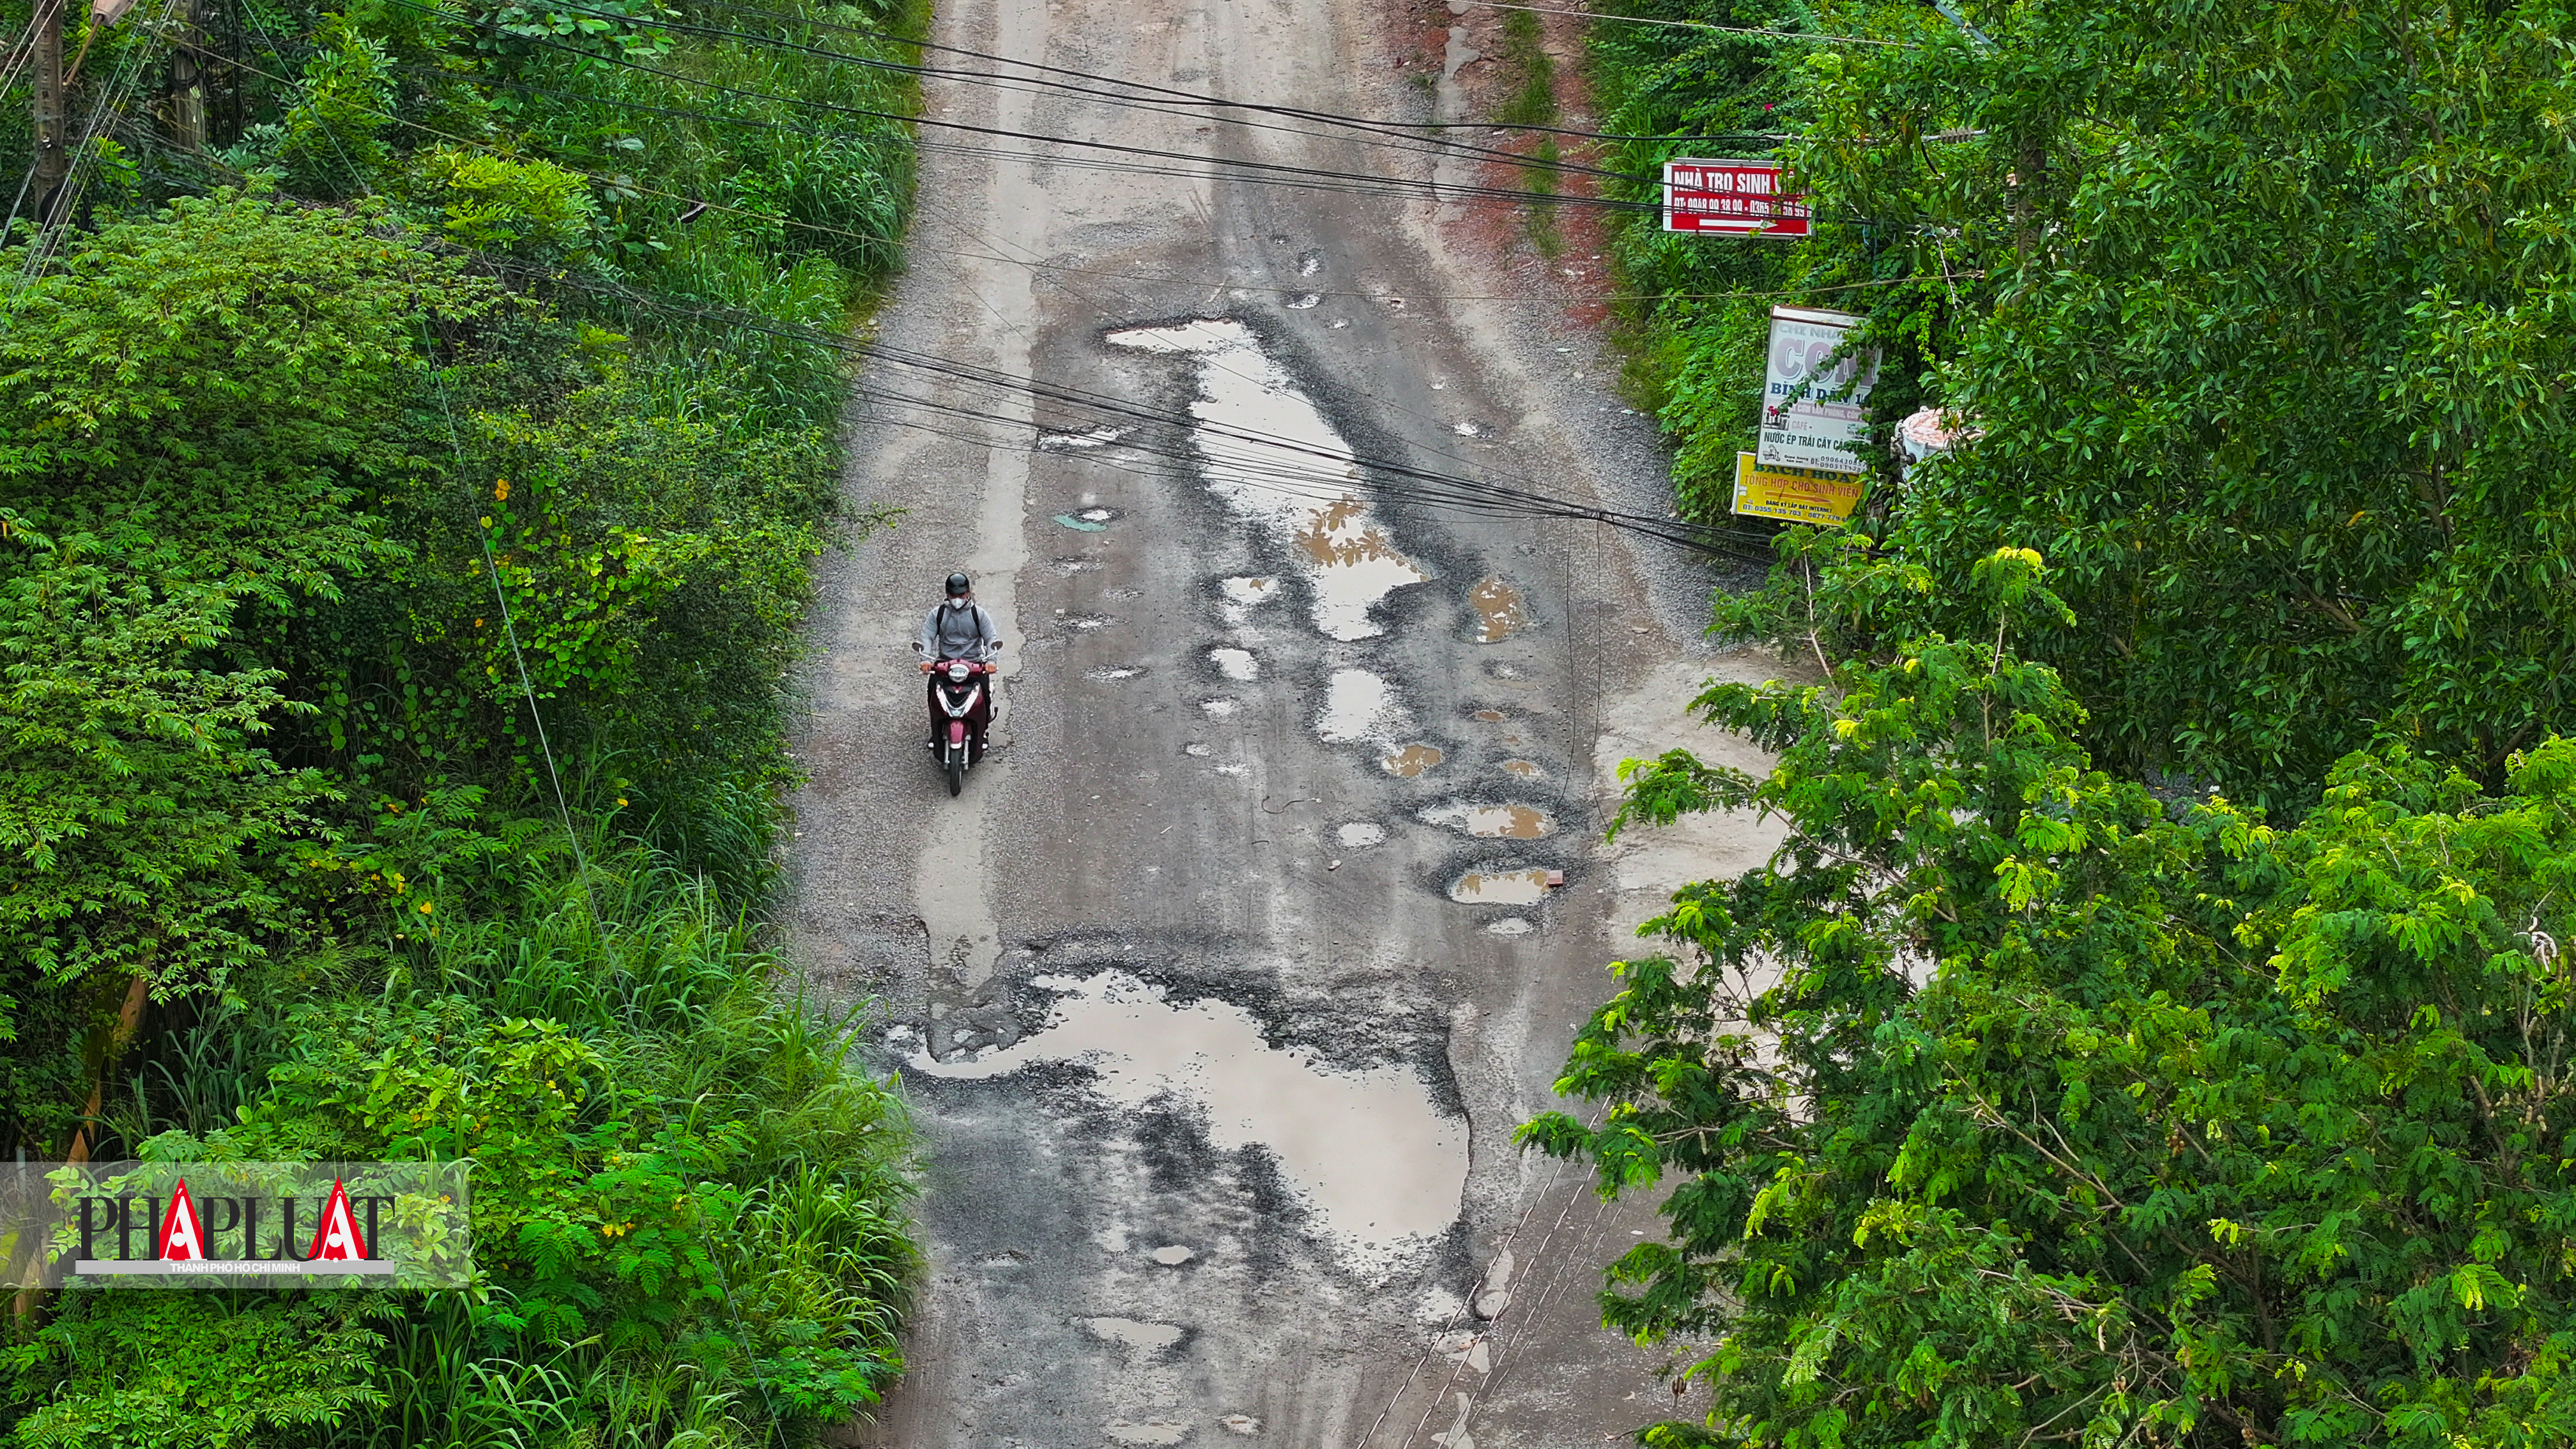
959	628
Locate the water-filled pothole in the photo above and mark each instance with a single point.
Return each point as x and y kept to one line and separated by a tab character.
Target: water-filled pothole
1498	610
1378	1162
1524	769
1235	663
1358	705
1409	761
1500	885
1361	834
1508	821
1268	453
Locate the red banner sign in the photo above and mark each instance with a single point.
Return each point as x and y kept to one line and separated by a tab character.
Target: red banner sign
1732	198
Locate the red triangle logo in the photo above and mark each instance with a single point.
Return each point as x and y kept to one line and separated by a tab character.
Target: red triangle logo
181	1239
335	1238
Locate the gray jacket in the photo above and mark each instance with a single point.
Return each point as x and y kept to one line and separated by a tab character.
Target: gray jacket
954	633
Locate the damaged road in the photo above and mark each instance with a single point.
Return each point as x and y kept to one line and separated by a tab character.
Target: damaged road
1220	990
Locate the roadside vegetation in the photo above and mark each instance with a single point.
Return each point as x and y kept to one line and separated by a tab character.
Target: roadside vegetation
2155	1029
404	525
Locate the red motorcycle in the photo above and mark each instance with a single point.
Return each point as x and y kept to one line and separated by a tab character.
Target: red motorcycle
960	689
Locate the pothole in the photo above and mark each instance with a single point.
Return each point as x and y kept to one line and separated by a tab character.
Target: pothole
1507	821
1360	835
1270	456
1235	664
1095	438
1509	926
1217	708
1130	1333
1498	607
1358	705
1523	769
1378	1162
1490	716
1082	621
1500	886
1115	671
1410	761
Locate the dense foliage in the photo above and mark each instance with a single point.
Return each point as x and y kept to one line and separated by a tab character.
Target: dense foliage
2155	1027
401	547
2009	1103
2258	307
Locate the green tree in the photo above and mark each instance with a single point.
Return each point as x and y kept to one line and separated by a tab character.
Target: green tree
2010	1104
193	409
2261	310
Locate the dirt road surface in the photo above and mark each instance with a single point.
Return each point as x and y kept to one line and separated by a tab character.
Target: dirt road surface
1220	989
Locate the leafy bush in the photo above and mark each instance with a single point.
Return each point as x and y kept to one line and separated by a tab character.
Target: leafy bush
2009	1101
283	467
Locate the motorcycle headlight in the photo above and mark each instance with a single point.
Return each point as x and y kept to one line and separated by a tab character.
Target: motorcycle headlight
958	669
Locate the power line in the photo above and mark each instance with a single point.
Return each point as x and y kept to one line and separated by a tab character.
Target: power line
1413	484
1276	173
1197	98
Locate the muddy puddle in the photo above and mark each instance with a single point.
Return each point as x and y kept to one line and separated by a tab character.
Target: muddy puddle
1499	610
1507	821
1358	705
1522	769
1500	886
1244	594
1409	761
1271	457
1380	1166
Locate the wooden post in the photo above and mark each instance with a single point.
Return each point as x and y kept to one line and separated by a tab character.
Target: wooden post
188	80
53	128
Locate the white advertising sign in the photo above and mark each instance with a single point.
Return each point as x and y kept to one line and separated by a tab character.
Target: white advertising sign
1811	412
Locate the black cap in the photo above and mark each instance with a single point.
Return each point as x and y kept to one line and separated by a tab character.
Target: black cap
958	584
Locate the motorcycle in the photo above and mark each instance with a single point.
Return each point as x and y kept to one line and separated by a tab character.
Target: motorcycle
964	695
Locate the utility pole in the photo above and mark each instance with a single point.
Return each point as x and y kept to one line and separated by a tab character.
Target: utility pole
188	80
53	129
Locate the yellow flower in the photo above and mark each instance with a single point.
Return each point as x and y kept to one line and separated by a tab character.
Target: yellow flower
424	908
501	491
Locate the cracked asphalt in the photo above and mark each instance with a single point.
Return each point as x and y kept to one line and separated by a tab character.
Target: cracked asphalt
1219	991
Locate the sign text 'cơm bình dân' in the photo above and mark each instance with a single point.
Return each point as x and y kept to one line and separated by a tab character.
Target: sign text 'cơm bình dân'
1814	392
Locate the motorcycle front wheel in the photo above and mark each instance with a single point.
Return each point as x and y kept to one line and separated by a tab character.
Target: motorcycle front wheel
956	773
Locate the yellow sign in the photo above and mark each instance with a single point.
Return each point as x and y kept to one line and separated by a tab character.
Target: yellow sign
1800	495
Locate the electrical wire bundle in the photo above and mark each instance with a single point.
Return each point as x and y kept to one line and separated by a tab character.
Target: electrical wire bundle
1161	451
